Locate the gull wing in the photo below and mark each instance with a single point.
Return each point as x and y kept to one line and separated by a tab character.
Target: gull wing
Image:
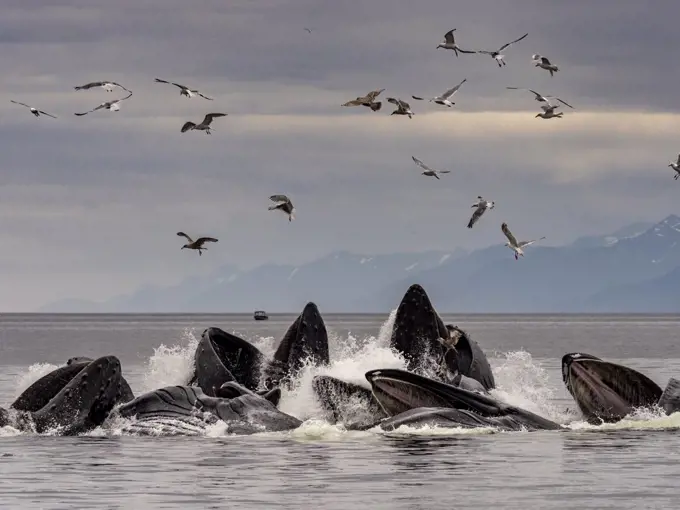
421	164
187	126
512	42
678	163
202	240
549	108
453	90
508	234
393	100
448	37
467	51
158	80
545	61
563	102
476	215
354	102
89	85
204	97
279	198
209	118
372	95
443	171
182	234
45	113
123	98
527	243
17	102
418	98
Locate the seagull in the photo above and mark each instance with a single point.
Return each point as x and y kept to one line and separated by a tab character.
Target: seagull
429	171
34	111
544	63
481	205
108	86
450	43
541	98
112	106
204	125
198	243
309	30
284	205
444	98
367	100
675	165
403	108
496	55
184	91
513	244
549	112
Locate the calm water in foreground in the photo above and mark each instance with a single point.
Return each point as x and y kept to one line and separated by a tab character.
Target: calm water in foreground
635	464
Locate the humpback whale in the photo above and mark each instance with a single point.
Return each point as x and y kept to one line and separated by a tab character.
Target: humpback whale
400	391
38	394
607	392
306	339
246	414
422	337
75	400
222	357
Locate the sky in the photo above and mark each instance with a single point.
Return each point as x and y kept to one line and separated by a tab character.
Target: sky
89	206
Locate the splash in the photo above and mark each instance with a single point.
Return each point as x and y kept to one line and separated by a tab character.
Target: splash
522	382
34	372
168	366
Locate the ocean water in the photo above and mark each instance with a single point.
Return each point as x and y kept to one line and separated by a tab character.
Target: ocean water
634	464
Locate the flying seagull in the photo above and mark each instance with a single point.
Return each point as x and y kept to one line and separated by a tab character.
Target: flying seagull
429	171
450	43
108	86
367	100
34	111
481	205
284	205
204	125
544	63
675	165
513	244
112	106
541	98
496	55
444	98
403	108
549	112
198	243
184	91
309	30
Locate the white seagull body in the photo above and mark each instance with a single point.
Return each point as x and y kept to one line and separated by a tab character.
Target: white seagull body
108	86
284	204
513	244
541	98
112	106
450	43
496	55
481	205
429	171
403	108
549	112
34	111
675	165
444	98
544	63
184	91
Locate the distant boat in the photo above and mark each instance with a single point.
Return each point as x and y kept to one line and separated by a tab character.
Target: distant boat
260	315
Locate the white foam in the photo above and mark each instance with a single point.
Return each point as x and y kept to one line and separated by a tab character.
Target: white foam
168	366
34	372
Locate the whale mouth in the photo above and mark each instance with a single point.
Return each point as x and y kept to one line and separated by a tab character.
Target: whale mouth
605	391
398	391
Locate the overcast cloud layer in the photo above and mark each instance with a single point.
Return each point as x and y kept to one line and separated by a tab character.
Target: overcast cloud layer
90	205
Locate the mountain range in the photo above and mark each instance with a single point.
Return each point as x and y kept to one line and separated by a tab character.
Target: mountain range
635	269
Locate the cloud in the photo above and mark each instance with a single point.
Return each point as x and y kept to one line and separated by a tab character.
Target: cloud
89	206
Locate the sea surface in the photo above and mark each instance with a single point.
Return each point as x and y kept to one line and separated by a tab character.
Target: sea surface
634	464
